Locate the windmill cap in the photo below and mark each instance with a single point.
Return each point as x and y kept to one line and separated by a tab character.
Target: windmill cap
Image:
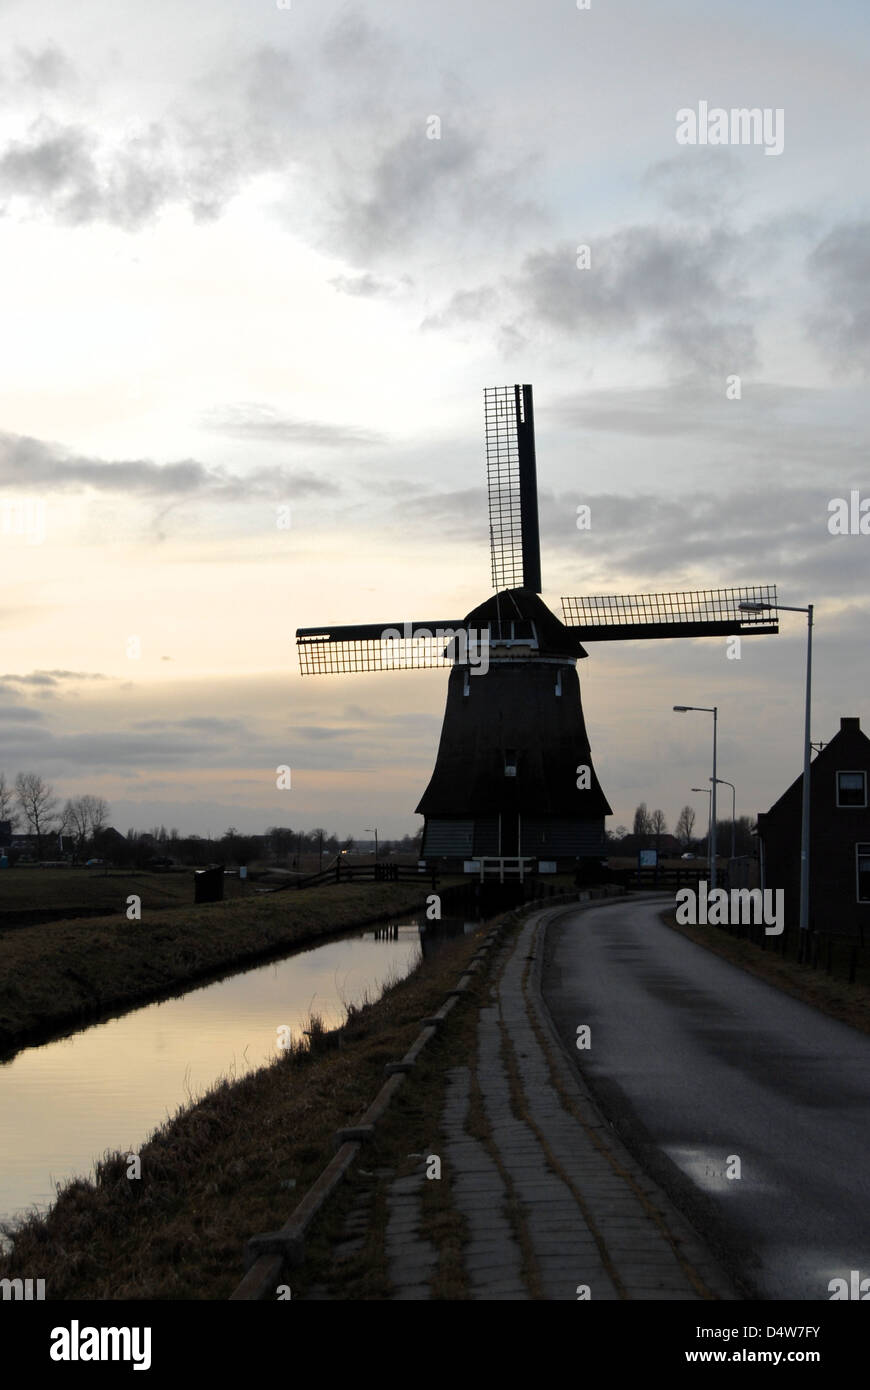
522	605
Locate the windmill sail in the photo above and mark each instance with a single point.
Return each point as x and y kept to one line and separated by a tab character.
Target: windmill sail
750	611
511	475
378	647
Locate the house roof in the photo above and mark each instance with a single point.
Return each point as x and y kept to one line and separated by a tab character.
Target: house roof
848	749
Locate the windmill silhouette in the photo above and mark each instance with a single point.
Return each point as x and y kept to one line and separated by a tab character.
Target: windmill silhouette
513	778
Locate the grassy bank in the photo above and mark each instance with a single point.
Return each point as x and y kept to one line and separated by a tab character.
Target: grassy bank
831	994
86	889
220	1171
61	974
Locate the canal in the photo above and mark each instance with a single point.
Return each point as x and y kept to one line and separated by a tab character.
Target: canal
67	1103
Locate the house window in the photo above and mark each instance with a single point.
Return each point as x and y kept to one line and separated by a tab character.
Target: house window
510	762
862	857
851	788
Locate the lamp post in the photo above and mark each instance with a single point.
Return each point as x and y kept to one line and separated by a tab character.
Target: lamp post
704	709
709	792
805	790
368	830
723	783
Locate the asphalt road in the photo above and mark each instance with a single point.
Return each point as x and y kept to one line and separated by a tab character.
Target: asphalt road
692	1060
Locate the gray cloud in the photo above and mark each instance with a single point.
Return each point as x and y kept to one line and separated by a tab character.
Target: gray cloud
753	535
250	420
46	68
463	307
53	678
840	269
204	724
35	464
678	291
368	286
19	714
700	182
351	181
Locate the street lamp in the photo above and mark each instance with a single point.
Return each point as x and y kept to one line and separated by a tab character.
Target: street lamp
704	709
805	797
709	792
368	830
723	783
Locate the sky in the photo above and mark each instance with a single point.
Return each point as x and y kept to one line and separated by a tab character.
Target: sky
258	265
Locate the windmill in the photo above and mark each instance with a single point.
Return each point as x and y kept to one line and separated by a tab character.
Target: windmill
513	778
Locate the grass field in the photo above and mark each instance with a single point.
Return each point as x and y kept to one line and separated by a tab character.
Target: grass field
28	888
61	974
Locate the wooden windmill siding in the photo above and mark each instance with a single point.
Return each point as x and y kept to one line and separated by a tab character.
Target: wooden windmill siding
514	736
505	779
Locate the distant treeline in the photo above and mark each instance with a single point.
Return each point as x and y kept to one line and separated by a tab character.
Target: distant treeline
280	845
33	824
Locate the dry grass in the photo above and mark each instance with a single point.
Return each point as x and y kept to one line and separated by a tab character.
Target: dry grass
61	974
86	889
217	1172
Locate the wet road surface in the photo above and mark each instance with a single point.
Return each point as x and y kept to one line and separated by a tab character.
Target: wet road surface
697	1064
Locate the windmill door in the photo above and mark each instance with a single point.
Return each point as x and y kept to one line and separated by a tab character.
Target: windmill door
510	839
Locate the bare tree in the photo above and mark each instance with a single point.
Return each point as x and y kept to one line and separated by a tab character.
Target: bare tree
642	822
658	826
685	826
98	814
83	818
38	804
7	802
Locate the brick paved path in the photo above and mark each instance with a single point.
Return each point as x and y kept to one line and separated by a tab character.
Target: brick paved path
554	1204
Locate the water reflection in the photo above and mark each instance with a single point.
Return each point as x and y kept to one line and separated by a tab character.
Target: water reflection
66	1103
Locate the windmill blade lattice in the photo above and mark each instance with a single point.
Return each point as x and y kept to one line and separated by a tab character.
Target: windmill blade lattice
375	647
511	476
693	613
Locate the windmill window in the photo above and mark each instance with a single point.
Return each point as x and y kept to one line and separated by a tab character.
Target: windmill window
851	788
862	866
510	762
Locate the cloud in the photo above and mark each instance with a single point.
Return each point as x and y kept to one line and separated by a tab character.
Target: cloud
840	269
205	724
321	122
45	68
752	535
54	678
37	464
700	182
464	306
676	290
19	714
250	420
368	286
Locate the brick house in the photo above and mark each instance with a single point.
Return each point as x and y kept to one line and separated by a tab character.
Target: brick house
839	837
